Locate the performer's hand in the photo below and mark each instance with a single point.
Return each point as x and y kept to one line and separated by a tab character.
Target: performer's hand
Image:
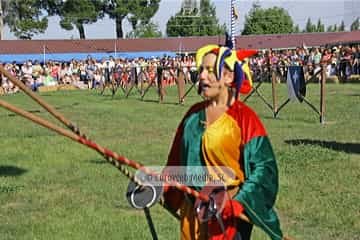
232	209
166	187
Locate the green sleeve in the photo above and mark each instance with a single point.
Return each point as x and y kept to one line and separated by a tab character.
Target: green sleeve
258	193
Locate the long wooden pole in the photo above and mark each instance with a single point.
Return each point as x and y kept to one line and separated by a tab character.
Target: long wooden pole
114	158
76	130
44	104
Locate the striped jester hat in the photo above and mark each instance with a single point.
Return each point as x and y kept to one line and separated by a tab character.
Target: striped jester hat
234	60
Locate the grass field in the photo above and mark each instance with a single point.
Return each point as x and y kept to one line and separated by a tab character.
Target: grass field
53	188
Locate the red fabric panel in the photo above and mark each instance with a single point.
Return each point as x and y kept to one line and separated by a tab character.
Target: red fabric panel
248	121
245	53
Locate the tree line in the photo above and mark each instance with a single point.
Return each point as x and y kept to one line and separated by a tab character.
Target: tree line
27	18
277	20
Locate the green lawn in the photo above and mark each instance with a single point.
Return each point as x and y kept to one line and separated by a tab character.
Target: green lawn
53	188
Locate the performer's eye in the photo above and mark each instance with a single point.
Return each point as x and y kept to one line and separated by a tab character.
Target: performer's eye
208	69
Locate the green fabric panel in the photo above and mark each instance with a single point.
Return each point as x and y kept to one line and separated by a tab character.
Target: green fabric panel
258	193
191	154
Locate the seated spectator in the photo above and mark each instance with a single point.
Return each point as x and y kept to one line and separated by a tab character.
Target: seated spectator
49	80
99	79
26	70
37	70
331	69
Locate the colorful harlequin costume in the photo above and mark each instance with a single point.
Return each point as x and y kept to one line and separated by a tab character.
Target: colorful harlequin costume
237	139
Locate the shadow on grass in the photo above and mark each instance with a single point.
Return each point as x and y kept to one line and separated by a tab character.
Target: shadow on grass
337	146
17	115
97	161
11	171
41	111
157	101
287	118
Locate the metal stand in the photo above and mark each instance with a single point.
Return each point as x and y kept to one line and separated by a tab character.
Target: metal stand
133	83
111	85
320	112
150	223
273	107
255	89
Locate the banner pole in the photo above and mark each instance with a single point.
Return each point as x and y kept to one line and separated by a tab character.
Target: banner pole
322	95
273	82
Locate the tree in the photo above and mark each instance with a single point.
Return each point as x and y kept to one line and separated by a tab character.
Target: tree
141	11
24	18
149	30
136	10
1	20
267	21
320	27
52	7
79	12
342	26
74	12
296	29
332	28
355	25
201	22
310	27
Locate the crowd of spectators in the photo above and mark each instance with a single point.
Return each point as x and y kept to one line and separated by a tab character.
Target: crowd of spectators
340	61
91	73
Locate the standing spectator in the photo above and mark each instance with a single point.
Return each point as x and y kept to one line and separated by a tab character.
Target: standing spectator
317	60
356	59
345	65
90	70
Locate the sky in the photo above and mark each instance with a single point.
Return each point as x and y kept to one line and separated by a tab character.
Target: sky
329	11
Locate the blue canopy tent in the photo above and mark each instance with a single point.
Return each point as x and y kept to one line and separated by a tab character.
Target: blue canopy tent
66	57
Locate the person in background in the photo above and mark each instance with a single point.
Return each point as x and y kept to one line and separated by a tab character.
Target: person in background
26	70
356	59
90	70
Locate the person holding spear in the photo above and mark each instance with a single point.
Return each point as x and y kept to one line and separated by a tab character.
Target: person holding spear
222	132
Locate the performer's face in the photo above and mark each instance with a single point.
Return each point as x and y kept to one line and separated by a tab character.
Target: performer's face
210	86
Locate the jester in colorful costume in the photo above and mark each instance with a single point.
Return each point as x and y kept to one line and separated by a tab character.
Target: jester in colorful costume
221	131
